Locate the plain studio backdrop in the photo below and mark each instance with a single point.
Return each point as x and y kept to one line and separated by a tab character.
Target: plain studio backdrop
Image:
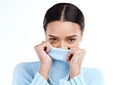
21	29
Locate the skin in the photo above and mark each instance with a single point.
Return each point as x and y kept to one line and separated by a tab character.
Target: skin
65	35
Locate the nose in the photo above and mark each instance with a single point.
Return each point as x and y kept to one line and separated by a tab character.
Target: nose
62	45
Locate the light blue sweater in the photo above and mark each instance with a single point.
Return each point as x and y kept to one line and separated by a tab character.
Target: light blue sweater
27	73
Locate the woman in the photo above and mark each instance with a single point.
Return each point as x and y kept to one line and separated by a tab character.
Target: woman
60	56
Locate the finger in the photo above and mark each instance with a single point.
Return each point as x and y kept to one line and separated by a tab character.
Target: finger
69	56
73	49
48	45
82	52
78	55
37	46
43	46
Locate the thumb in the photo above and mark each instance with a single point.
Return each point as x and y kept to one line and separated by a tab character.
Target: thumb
69	56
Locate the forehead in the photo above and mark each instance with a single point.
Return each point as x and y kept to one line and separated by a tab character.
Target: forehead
60	28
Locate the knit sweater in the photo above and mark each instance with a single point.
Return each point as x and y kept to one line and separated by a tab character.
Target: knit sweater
27	73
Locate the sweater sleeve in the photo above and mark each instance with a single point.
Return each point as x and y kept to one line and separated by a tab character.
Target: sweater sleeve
77	80
91	78
39	80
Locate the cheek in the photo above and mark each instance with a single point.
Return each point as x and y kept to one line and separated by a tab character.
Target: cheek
73	45
54	44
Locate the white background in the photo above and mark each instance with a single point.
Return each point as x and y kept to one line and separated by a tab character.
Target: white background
21	29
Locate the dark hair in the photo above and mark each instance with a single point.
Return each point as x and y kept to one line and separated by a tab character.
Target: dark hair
64	12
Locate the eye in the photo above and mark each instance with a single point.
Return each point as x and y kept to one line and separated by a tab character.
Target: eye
53	40
71	40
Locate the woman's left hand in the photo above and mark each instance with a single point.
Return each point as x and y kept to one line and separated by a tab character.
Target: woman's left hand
75	58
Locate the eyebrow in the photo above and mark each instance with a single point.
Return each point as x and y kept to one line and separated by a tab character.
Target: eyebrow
52	36
66	37
71	36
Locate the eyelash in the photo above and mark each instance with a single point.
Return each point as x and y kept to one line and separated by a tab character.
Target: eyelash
71	40
54	40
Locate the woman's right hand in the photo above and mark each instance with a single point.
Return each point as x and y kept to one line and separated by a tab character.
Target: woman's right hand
45	60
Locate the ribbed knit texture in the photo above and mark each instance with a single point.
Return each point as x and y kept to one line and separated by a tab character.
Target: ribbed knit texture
58	54
59	65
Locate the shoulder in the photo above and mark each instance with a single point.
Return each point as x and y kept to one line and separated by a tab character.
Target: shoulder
26	68
93	74
90	70
24	73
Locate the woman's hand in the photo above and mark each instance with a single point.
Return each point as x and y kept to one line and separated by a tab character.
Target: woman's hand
45	60
75	58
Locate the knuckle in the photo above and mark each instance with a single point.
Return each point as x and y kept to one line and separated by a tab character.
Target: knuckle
35	47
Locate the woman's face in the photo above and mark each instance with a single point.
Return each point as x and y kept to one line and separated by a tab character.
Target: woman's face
63	35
